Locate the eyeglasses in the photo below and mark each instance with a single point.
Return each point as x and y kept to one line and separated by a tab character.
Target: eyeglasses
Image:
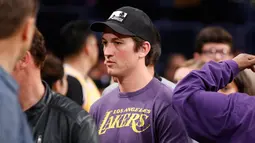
213	52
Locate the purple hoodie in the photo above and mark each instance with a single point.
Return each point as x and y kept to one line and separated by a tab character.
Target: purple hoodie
210	116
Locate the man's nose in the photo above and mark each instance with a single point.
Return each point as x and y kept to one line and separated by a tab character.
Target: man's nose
218	56
108	50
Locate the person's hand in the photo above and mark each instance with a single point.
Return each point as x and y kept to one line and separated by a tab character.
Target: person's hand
245	61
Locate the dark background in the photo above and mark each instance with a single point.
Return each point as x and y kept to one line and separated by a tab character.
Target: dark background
177	20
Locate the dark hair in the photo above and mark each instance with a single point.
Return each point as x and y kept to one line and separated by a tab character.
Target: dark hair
52	70
73	36
243	83
13	13
155	52
213	34
38	49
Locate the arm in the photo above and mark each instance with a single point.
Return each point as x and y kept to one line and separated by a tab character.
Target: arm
206	113
170	128
87	130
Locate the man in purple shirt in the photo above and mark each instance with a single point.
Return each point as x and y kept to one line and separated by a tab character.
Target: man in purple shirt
210	116
140	109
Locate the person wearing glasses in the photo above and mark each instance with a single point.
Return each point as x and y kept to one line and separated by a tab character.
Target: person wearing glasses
213	43
216	44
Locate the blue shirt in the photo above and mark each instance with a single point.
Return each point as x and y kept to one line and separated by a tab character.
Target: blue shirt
13	124
210	116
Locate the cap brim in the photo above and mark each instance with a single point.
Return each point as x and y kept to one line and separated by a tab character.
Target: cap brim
100	27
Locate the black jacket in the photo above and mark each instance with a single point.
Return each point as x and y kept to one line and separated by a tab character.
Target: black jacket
57	119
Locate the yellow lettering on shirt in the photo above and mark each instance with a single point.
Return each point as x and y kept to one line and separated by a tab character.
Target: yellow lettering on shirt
138	119
102	128
124	120
140	124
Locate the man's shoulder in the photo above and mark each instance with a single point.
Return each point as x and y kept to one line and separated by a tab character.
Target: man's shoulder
110	88
68	108
163	94
73	80
168	83
7	83
107	99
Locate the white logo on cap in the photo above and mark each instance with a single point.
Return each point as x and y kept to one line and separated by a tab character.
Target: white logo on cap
118	15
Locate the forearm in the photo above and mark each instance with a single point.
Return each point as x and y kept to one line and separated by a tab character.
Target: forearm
212	77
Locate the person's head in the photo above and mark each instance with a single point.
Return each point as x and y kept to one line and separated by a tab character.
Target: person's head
52	73
185	68
77	40
213	43
230	88
30	64
241	83
130	40
17	22
174	61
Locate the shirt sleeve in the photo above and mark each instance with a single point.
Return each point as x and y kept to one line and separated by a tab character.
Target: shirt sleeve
110	88
170	128
206	113
74	91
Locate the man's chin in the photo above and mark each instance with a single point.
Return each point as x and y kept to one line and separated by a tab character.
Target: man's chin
113	73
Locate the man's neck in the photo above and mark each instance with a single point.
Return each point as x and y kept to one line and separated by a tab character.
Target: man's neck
151	69
80	64
136	80
32	92
8	55
6	63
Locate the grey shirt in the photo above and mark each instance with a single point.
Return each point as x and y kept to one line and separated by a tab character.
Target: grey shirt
13	124
114	85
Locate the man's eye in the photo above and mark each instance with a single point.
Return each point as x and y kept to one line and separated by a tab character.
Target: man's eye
117	43
225	88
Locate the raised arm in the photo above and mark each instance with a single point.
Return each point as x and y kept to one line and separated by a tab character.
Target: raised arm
207	114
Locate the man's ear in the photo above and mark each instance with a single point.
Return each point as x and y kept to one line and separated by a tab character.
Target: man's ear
25	60
28	30
144	49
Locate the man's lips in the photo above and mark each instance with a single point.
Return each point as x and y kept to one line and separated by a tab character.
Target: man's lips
109	62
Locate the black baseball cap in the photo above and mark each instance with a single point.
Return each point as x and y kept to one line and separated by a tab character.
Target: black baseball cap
129	21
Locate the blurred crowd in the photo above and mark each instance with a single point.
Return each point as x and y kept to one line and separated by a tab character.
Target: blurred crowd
174	18
81	59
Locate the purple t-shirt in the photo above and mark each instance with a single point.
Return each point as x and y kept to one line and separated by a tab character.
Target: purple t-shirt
144	116
210	116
